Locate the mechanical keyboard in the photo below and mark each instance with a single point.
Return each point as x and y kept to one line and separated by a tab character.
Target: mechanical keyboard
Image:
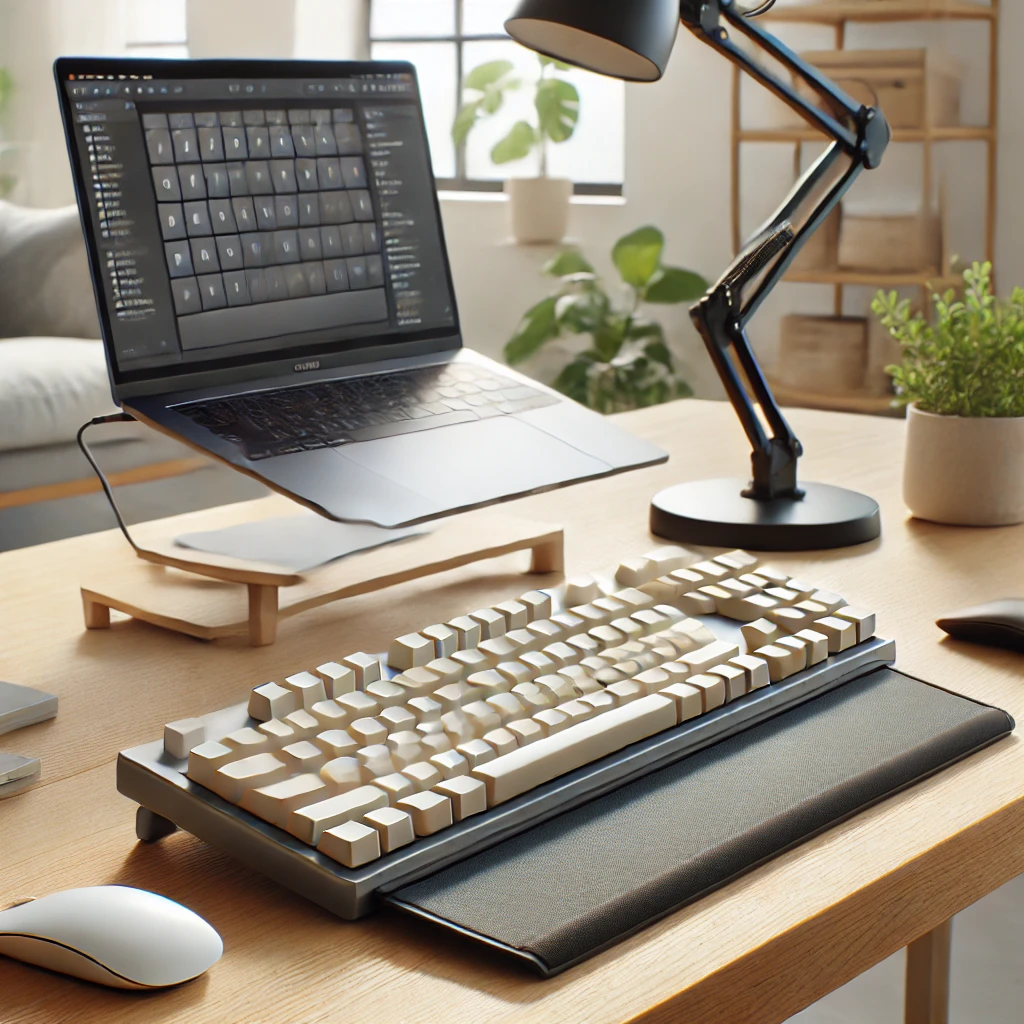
338	412
368	772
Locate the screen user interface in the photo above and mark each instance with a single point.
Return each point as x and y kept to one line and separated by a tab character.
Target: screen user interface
242	218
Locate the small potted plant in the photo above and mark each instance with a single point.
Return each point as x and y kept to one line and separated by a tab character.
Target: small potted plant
962	377
540	205
628	363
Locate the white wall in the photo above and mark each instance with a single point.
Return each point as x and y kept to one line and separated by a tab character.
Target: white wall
677	160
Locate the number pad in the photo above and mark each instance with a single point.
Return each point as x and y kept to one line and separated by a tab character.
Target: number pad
262	205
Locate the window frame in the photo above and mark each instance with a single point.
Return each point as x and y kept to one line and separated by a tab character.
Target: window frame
461	182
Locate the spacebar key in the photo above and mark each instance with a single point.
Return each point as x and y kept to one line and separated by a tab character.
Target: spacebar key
442	419
527	767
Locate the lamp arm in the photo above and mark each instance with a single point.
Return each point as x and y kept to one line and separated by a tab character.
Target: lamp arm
858	132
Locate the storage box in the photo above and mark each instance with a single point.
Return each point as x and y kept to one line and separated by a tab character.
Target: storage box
887	243
823	354
822	249
913	88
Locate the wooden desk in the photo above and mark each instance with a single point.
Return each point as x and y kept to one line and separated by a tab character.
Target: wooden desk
758	950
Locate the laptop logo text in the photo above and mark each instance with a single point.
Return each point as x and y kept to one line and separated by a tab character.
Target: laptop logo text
313	364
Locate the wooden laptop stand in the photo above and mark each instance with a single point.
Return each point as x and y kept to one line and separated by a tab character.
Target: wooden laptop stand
202	594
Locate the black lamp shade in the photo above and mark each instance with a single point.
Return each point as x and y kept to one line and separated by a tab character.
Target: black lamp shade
629	39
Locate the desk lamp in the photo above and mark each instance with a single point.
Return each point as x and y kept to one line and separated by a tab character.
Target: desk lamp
632	40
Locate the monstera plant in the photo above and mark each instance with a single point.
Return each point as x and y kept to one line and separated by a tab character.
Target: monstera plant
540	205
628	363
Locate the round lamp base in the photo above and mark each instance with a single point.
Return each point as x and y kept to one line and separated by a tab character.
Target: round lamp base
715	513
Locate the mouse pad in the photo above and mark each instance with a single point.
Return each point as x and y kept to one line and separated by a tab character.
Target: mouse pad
298	542
576	884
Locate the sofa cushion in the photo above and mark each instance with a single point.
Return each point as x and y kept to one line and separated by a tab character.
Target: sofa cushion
45	288
49	387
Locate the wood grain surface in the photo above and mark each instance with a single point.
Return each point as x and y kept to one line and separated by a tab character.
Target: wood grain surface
757	950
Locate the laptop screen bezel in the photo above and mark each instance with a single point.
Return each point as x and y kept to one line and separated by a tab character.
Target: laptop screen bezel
184	376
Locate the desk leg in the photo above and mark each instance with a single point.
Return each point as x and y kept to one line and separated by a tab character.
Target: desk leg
262	614
548	556
97	616
927	991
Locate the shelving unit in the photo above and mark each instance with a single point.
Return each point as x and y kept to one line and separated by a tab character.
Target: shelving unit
838	14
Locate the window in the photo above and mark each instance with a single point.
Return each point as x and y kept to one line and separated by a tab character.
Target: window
155	28
446	39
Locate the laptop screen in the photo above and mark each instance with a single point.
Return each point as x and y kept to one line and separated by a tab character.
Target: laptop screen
241	214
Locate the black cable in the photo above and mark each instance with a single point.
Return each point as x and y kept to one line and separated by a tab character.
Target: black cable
116	417
758	11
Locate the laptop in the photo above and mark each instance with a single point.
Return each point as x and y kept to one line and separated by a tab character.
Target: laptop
273	288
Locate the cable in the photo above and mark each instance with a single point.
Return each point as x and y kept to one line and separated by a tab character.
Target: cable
758	11
117	417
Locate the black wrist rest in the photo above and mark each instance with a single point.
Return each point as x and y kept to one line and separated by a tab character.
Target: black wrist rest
578	883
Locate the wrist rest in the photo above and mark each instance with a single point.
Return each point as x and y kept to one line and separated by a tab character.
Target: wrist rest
578	883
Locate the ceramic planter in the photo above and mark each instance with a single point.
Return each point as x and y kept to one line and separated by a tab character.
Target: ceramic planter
964	471
539	208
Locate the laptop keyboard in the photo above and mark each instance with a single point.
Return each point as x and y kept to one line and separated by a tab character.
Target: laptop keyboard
339	412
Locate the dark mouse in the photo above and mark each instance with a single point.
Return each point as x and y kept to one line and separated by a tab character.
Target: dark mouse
998	624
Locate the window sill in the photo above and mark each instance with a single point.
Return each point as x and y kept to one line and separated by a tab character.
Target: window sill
446	196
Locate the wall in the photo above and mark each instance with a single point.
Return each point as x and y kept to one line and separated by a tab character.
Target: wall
677	162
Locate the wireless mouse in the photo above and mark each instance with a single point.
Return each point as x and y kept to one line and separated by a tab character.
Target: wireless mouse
112	935
999	624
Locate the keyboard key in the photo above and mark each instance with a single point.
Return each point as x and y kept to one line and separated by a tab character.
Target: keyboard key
165	182
283	173
186	296
309	823
286	247
186	145
299	116
252	250
374	272
231	118
296	282
181	120
211	144
315	279
362	206
277	117
309	210
266	213
236	777
257	284
468	796
237	180
841	633
309	244
204	255
211	288
430	812
218	185
275	803
305	175
179	259
281	142
222	217
235	288
353	172
286	210
154	120
324	140
352	240
347	138
197	219
336	208
158	145
234	143
172	221
351	844
328	172
277	284
304	140
253	117
371	238
229	252
206	119
547	758
258	141
394	827
244	213
257	174
336	273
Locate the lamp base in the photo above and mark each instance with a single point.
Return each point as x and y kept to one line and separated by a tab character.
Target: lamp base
715	513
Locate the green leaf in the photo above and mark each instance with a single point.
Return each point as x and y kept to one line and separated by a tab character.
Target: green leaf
637	255
569	261
464	121
672	284
558	108
582	313
537	327
485	75
658	351
516	145
549	61
574	380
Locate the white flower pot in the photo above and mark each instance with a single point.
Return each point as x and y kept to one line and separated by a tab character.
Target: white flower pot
539	208
964	471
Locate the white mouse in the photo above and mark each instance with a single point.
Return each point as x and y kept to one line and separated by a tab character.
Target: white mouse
112	935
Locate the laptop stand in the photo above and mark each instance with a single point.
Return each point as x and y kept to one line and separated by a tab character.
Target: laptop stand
216	595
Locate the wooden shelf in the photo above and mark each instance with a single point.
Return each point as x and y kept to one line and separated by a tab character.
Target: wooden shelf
836	12
958	133
854	401
919	278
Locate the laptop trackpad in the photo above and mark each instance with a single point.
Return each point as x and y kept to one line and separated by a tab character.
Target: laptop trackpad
468	463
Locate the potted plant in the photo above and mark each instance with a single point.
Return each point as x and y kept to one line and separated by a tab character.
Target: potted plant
7	179
628	363
963	380
540	205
